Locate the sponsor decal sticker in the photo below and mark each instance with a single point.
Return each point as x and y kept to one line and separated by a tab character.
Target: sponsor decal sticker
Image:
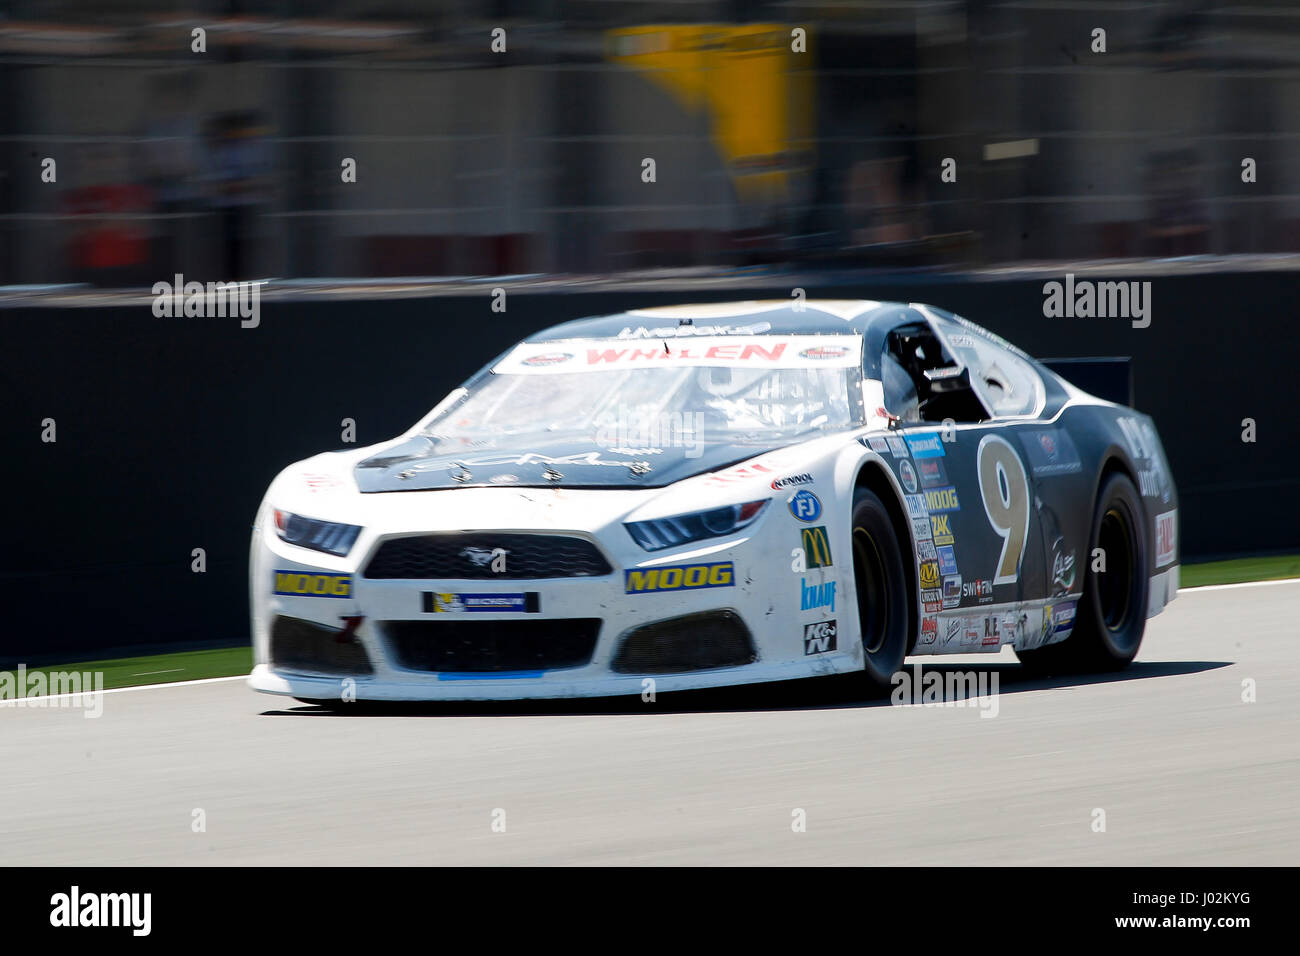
925	549
941	528
763	351
878	445
947	559
792	480
816	547
925	446
1062	617
916	506
436	602
896	447
823	352
1166	537
983	590
805	506
992	632
1014	627
929	630
929	574
304	584
672	331
1153	477
819	638
907	474
679	577
952	630
942	499
931	472
951	590
921	529
813	596
1062	571
546	359
1051	452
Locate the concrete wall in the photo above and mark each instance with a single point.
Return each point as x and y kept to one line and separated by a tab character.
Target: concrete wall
170	429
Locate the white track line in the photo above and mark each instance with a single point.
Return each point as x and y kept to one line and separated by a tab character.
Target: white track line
1243	584
123	690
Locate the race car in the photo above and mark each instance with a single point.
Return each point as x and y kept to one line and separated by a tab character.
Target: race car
696	496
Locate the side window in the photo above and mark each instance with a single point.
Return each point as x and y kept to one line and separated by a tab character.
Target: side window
901	399
1007	383
938	383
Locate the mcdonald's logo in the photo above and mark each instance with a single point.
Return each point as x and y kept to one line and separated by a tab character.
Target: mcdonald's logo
816	547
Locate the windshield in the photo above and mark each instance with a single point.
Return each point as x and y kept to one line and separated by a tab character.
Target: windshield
640	396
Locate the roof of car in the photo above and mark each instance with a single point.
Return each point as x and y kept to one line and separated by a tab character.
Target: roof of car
774	317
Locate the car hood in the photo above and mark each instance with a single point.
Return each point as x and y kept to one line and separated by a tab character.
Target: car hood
422	464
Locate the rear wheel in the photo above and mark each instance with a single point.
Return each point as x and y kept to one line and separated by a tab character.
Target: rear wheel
1112	612
881	585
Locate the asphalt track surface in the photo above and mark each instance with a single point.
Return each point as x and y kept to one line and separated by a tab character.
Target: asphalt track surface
1185	771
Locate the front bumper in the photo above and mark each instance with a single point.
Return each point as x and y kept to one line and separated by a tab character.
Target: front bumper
732	580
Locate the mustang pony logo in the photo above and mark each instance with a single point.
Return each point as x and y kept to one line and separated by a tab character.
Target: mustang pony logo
481	557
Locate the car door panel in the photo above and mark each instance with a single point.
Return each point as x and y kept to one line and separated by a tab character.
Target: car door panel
978	495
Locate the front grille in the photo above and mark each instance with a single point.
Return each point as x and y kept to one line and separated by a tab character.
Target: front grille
492	646
694	642
469	556
298	645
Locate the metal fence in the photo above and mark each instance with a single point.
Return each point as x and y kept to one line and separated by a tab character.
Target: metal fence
518	137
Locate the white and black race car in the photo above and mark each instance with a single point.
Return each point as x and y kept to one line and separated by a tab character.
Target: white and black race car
718	494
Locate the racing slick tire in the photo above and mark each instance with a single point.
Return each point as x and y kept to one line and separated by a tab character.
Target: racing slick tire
879	577
1112	612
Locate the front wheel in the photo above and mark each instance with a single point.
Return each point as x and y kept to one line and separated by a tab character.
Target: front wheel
881	585
1112	612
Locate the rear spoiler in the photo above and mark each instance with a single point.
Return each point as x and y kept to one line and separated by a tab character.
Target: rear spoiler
1107	378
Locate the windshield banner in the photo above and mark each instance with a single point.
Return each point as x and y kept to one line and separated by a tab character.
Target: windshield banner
759	351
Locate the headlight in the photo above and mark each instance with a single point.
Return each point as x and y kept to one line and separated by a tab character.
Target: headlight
328	536
661	533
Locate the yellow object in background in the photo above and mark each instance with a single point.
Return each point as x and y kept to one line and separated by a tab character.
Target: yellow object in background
756	91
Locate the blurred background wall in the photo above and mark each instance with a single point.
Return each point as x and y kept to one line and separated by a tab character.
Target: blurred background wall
530	160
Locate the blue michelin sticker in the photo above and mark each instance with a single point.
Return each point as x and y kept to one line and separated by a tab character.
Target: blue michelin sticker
805	506
435	602
1063	617
926	446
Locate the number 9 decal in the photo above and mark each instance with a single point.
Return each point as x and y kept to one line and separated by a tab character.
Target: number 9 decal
1005	491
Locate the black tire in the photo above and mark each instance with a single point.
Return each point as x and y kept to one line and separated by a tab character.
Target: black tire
1112	613
879	576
